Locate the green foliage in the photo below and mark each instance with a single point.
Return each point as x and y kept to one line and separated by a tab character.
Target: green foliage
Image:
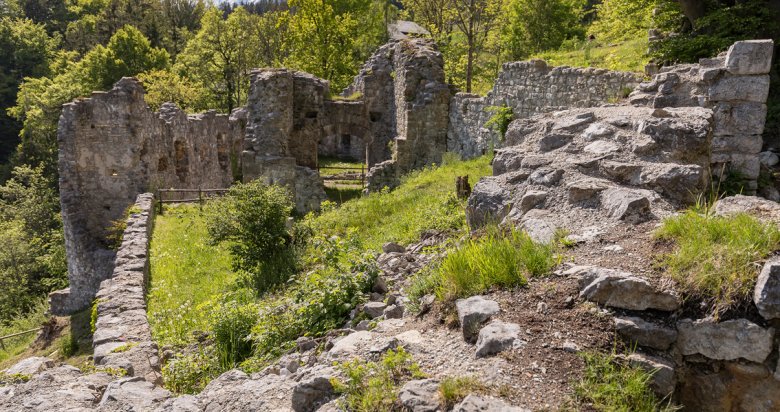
384	216
452	390
539	25
623	20
232	324
93	315
168	86
188	275
192	372
20	322
32	259
252	219
497	259
374	386
69	345
629	56
13	379
717	259
116	229
608	384
499	121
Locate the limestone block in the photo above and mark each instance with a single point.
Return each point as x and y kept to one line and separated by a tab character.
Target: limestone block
746	144
746	118
472	313
750	57
766	295
740	88
729	340
621	289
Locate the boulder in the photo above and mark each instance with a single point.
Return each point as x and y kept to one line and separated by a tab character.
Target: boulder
374	309
554	141
309	395
540	230
663	380
630	205
133	394
766	295
729	340
586	189
30	366
601	147
750	57
545	176
643	333
420	396
472	313
752	205
621	290
392	247
488	203
531	199
475	403
394	312
497	337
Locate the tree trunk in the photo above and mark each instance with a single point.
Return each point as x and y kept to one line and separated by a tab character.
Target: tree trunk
469	64
693	10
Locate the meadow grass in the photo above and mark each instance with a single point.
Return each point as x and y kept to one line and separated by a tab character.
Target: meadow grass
18	345
425	200
717	259
610	385
503	260
625	56
188	275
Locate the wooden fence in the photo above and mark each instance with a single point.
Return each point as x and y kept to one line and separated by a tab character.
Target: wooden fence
3	338
348	177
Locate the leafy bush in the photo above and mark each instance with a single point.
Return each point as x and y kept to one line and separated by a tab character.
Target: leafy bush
717	259
232	325
608	385
499	121
252	219
373	386
497	259
191	373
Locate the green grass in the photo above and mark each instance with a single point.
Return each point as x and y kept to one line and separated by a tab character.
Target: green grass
717	259
452	390
611	386
502	260
188	275
425	200
31	320
626	56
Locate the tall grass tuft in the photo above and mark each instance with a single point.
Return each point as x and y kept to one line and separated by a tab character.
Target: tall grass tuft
498	259
717	259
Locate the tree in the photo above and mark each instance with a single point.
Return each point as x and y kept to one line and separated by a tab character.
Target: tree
538	25
619	20
182	19
475	19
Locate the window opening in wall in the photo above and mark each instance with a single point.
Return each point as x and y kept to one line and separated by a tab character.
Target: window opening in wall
311	115
346	143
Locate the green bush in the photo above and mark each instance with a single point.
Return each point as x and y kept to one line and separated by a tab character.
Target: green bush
252	219
454	389
717	259
499	121
232	324
191	373
497	259
373	386
609	385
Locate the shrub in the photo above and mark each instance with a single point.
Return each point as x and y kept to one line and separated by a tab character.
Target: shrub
453	390
717	259
497	259
191	373
608	385
252	219
499	121
232	325
373	386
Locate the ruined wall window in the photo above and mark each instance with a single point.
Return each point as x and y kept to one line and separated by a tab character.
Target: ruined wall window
311	115
346	143
181	160
375	116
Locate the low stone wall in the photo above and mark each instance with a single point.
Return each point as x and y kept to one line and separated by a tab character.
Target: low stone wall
123	337
530	88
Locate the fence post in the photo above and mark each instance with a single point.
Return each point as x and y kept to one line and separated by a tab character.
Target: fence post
200	198
159	202
362	174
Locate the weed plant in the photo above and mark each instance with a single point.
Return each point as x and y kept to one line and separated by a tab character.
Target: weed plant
452	390
717	259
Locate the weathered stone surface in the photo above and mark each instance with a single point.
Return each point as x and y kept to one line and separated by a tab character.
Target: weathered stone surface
496	337
741	88
729	340
540	230
643	333
752	205
532	199
735	386
488	203
733	119
133	394
586	189
601	147
235	391
663	380
554	141
374	309
392	247
750	57
308	395
475	403
545	176
63	388
394	312
472	313
420	396
30	366
621	289
349	345
627	204
766	295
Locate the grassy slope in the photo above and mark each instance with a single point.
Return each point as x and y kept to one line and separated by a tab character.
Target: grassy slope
17	346
424	201
626	56
187	275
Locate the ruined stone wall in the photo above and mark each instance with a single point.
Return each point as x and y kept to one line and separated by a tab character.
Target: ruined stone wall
113	147
735	85
285	119
123	338
346	120
529	88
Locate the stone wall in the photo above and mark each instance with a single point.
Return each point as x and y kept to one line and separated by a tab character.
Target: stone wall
112	147
529	88
123	338
735	85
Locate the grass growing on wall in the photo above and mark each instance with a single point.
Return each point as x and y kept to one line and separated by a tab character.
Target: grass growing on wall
425	200
188	275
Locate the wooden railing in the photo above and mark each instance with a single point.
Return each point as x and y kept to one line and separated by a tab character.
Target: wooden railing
203	195
361	177
3	338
